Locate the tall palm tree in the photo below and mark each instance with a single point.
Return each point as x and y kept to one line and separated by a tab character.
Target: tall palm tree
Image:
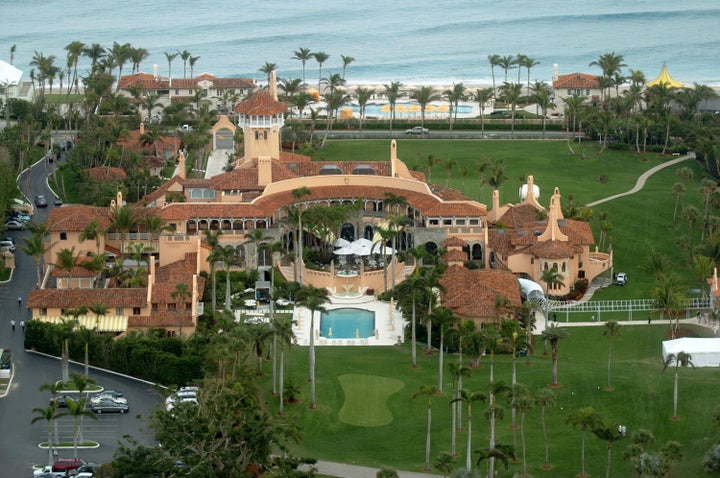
363	96
612	330
303	55
268	68
92	232
542	94
320	57
587	419
392	91
76	409
74	52
313	299
81	383
523	402
528	63
494	61
284	333
334	100
610	64
608	435
506	62
424	96
192	60
680	359
444	319
468	397
511	92
49	414
213	240
553	334
36	247
13	49
457	370
123	219
346	60
497	389
429	392
454	96
137	55
185	56
298	194
229	256
411	292
482	96
545	398
121	54
180	295
170	57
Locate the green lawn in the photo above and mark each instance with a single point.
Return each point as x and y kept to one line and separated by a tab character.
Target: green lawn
366	414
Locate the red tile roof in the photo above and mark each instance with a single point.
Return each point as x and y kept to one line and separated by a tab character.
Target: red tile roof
261	103
75	218
71	298
148	82
473	293
577	80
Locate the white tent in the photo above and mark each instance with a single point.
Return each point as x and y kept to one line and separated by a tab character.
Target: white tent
344	251
340	242
703	352
9	74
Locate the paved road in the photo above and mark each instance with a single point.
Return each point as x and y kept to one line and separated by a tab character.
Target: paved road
18	438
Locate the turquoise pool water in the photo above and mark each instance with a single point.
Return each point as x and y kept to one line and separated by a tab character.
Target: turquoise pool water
347	323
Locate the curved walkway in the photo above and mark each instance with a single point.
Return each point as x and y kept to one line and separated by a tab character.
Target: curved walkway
643	177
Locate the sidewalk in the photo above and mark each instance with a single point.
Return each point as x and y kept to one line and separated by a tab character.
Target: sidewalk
343	470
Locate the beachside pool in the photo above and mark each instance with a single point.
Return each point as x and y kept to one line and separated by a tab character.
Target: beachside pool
347	323
408	109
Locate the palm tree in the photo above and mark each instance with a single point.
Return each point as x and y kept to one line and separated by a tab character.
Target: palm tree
74	52
36	247
444	319
334	100
76	409
457	370
454	96
482	96
429	392
346	60
180	295
468	397
284	333
681	359
49	414
92	232
229	256
302	54
80	383
529	64
494	61
497	389
170	57
185	56
392	91
13	49
268	68
610	64
313	299
587	419
669	298
424	96
552	279
410	293
213	240
298	194
545	398
608	435
363	96
192	60
542	94
511	92
506	62
445	462
137	55
123	219
320	57
121	54
553	334
523	403
612	330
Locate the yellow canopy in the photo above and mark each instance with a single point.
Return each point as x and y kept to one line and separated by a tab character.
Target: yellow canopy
104	323
664	78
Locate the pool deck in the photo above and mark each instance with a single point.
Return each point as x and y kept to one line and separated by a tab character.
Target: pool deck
388	322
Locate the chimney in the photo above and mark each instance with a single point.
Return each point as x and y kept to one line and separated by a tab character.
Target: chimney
155	72
181	164
272	86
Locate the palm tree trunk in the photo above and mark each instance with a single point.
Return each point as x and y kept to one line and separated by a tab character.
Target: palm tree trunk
427	439
468	452
582	455
281	379
607	468
440	359
312	360
414	339
522	441
544	429
675	392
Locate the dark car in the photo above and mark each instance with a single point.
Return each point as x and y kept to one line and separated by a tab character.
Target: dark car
57	201
40	201
61	401
108	406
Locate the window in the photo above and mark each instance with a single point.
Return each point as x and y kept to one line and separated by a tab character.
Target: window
587	92
460	222
434	222
63	236
43	311
177	92
447	222
570	92
257	134
136	310
154	306
474	222
171	306
119	311
188	305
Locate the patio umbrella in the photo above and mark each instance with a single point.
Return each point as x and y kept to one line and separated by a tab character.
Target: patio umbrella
340	242
362	246
377	249
344	251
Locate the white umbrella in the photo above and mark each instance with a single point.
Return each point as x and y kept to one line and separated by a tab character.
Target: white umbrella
345	251
362	246
340	242
377	249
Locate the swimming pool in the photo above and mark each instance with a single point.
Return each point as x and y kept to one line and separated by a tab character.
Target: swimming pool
408	109
347	323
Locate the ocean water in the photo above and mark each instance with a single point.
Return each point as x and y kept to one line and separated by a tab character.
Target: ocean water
415	42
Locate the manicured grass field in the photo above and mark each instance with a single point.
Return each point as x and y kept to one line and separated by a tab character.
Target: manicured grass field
358	385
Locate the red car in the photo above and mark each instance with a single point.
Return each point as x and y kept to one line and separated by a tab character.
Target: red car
67	464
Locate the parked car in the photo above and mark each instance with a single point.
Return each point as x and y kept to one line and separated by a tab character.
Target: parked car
14	224
621	278
57	201
67	464
7	246
61	400
19	216
417	130
107	405
113	395
183	395
40	201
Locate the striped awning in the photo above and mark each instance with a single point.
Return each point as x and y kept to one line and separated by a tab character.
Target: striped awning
103	323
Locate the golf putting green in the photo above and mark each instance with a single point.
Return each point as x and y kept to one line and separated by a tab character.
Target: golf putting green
366	399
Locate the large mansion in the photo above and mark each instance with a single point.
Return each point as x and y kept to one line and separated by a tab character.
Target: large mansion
507	242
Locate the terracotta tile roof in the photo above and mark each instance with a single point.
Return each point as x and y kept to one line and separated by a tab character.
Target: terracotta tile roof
162	318
453	241
261	103
105	173
525	239
553	250
179	211
456	209
455	255
148	82
577	80
174	183
472	293
71	298
518	216
168	276
78	271
74	218
135	143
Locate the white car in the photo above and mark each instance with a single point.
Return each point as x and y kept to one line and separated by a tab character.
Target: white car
621	278
183	395
417	130
108	395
